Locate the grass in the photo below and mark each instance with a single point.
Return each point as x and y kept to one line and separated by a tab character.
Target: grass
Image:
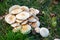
46	8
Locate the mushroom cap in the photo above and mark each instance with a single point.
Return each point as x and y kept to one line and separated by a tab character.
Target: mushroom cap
37	29
22	15
24	8
19	21
25	29
31	11
24	22
10	18
44	32
38	23
56	39
14	9
32	19
15	24
34	11
36	17
35	24
16	29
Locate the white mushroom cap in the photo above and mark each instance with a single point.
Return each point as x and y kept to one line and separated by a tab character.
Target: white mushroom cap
44	32
24	22
16	29
15	9
37	29
35	24
24	8
15	24
34	11
32	19
22	15
19	21
25	29
38	23
56	39
10	18
36	17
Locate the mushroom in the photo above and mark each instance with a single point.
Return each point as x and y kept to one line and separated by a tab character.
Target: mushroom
36	17
35	24
34	11
15	9
17	28
24	8
37	29
19	21
56	39
23	15
44	32
32	19
10	18
25	29
24	22
15	24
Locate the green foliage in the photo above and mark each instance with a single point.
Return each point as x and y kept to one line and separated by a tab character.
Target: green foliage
46	8
54	22
13	36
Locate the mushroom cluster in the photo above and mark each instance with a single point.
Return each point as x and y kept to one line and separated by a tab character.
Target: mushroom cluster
23	19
